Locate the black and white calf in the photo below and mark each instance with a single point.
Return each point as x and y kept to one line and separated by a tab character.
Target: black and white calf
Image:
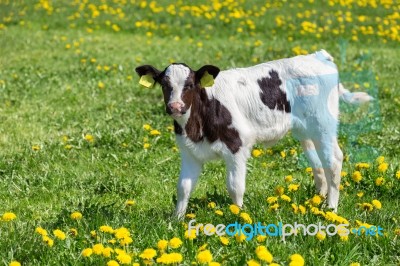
261	103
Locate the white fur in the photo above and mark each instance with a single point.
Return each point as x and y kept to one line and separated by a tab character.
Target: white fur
308	81
177	75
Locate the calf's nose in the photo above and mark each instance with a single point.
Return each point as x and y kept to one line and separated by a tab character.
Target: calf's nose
175	106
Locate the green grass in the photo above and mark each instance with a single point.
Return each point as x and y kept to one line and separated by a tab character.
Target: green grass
49	91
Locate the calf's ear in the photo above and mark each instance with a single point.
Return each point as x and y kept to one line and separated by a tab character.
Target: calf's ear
148	74
206	75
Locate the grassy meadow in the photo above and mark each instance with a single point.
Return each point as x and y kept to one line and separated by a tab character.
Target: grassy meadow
88	160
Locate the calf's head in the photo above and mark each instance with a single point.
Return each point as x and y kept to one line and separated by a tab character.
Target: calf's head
179	83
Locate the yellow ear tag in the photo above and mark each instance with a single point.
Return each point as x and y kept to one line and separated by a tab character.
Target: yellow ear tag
207	80
147	81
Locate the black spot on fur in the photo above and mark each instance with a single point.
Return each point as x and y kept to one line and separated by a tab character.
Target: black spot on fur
177	128
271	95
210	120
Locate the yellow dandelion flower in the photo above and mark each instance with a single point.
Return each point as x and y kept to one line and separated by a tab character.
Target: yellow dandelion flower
320	235
302	209
130	202
192	234
286	198
190	215
288	178
380	159
253	263
366	206
106	229
234	209
170	258
296	260
147	127
211	205
101	85
155	132
240	237
115	27
87	252
398	174
163	244
343	174
295	207
308	170
377	204
76	216
48	241
274	207
263	254
107	251
355	264
356	176
379	181
203	247
112	263
383	167
362	166
213	263
124	258
261	238
256	153
283	154
271	200
293	187
219	212
121	233
14	263
175	242
98	249
360	194
148	254
89	138
8	216
146	146
35	147
41	231
224	240
246	217
59	234
204	256
73	232
279	190
316	200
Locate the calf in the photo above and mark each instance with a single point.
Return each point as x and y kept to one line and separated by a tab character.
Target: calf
222	114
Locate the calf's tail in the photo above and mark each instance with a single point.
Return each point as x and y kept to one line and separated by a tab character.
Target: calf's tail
353	97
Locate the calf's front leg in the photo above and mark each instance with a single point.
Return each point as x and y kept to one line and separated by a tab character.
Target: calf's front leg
190	171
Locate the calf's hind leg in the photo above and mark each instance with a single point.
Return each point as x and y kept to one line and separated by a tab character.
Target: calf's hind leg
331	157
236	176
319	173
